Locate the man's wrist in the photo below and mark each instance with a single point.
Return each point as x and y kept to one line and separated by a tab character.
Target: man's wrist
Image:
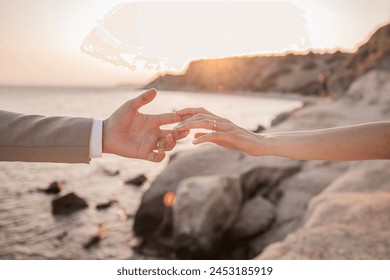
95	142
104	136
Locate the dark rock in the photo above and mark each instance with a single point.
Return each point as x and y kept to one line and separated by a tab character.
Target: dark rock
291	206
54	188
205	209
255	216
204	162
95	239
280	118
137	181
259	129
110	172
68	204
105	205
262	181
200	162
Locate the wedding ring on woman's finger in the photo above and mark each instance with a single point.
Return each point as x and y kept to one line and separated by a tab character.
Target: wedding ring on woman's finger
158	144
214	125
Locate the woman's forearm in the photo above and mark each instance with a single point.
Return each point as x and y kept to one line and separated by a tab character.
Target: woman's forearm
357	142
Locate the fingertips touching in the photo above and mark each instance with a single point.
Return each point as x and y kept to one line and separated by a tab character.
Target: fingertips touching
178	135
186	124
179	128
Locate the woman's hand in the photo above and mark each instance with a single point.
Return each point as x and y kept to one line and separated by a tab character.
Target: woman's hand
223	132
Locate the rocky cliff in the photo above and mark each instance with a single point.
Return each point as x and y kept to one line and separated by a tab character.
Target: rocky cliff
308	74
274	208
286	73
368	56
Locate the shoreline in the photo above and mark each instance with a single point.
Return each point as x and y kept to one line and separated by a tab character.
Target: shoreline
268	95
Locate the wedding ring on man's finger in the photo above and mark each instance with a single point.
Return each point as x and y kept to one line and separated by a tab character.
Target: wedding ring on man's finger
158	144
214	125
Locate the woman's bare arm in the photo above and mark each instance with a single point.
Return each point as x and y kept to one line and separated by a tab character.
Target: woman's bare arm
355	142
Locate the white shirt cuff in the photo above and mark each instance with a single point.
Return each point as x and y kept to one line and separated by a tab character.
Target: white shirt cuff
95	142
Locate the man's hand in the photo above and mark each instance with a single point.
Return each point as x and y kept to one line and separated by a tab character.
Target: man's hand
129	133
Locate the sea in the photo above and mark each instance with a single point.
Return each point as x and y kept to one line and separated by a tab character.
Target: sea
29	230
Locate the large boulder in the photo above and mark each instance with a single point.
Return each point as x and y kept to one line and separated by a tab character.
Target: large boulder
348	220
368	176
205	161
342	226
295	194
205	209
257	177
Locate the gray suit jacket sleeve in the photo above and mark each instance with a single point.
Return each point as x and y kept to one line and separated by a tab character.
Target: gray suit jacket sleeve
44	139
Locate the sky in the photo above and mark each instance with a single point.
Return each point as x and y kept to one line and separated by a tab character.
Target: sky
56	42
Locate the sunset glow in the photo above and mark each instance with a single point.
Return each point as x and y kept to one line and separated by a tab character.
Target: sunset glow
40	41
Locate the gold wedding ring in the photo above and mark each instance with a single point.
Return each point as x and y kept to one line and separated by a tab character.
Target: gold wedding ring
158	144
214	125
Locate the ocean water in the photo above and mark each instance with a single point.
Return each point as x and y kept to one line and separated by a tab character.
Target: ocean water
28	230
